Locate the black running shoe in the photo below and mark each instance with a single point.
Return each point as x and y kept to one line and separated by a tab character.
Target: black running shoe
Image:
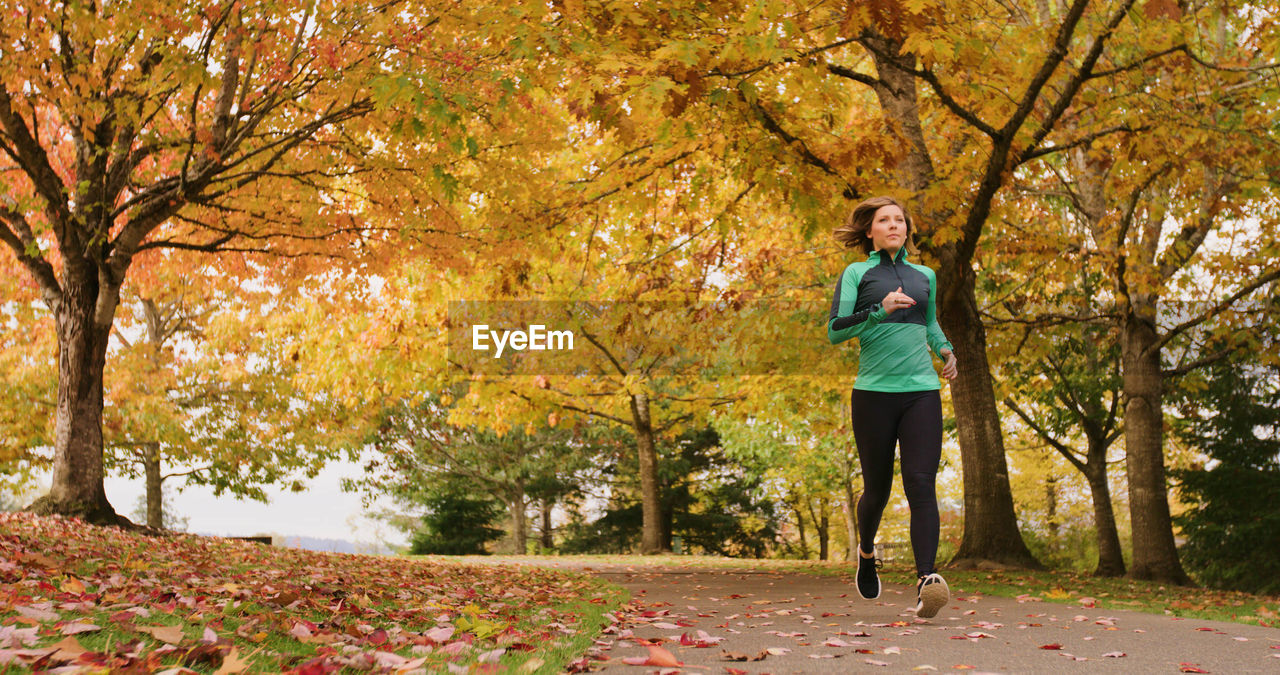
931	594
868	578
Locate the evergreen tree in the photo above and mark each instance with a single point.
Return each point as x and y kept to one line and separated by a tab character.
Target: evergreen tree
1233	525
457	522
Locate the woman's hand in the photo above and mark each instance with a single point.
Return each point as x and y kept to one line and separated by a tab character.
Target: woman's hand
949	369
896	300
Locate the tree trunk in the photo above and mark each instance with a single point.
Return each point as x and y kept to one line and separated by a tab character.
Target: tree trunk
851	520
824	534
1051	497
804	540
519	523
77	488
1155	556
990	526
546	532
1110	556
651	530
155	488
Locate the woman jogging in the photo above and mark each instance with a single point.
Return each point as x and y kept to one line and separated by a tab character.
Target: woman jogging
888	303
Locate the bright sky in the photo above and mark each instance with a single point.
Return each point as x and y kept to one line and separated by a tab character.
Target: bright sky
322	511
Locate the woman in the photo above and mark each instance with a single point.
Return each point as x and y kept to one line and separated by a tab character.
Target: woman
889	305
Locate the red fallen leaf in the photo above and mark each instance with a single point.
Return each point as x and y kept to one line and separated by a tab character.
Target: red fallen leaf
378	637
1051	646
582	665
1190	668
865	651
685	623
521	647
899	624
735	671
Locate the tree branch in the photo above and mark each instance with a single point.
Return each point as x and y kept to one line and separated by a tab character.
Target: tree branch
1033	152
935	84
1215	310
22	241
1059	53
1062	448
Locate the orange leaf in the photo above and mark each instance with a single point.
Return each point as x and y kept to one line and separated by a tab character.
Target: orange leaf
171	634
233	664
661	657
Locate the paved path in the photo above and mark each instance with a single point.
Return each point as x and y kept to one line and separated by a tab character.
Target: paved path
802	623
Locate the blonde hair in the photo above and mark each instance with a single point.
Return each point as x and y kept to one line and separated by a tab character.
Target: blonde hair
855	230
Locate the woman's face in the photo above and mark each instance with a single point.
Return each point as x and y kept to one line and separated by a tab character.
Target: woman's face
888	228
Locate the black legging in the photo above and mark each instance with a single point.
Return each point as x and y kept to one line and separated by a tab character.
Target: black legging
882	420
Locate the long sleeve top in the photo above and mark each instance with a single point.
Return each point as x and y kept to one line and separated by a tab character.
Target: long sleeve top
893	348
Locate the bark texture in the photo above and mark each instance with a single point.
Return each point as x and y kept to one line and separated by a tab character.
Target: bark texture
77	488
651	539
1155	555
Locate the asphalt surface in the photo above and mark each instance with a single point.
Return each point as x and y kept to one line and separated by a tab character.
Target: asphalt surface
799	623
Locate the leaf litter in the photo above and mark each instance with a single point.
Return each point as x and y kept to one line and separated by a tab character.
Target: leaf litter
80	598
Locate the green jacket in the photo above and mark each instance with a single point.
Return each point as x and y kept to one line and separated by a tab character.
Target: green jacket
894	348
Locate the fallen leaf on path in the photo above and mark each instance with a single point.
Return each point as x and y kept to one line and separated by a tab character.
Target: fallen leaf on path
735	671
1114	655
1051	646
893	650
876	663
777	651
657	657
732	656
924	667
1191	668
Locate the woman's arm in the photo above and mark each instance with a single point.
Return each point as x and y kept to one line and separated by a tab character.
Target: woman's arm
843	323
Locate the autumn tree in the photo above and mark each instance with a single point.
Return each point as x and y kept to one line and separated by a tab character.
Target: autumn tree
240	126
936	101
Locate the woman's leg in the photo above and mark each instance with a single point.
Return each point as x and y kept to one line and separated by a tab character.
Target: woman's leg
920	434
875	431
